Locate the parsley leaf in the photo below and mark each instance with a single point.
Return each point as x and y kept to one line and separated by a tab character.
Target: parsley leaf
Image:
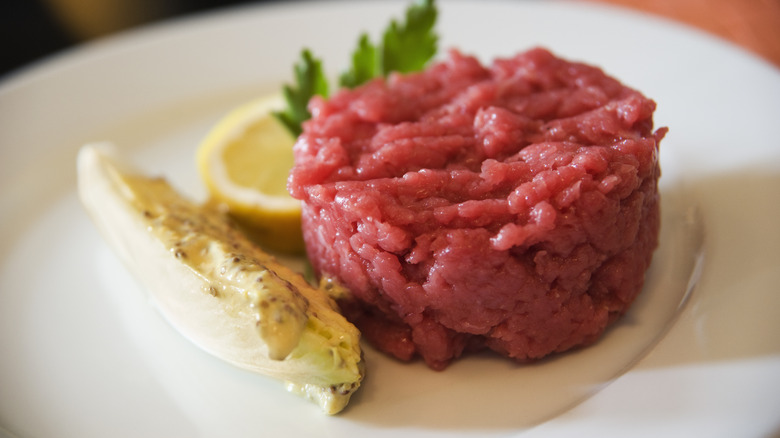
311	81
405	47
365	65
408	47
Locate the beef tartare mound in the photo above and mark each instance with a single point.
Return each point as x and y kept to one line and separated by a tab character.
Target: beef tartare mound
512	207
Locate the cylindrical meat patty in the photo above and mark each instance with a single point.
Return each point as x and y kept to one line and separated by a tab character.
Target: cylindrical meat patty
512	207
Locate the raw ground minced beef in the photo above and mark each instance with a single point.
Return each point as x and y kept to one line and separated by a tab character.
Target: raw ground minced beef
512	207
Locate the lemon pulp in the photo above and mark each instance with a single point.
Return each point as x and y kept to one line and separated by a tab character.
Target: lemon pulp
244	161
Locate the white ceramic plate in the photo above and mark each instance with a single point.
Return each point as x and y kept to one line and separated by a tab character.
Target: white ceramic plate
82	353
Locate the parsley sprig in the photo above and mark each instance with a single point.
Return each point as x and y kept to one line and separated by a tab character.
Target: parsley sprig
408	47
405	47
365	64
311	81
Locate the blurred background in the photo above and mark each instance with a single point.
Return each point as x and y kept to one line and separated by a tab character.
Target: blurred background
33	29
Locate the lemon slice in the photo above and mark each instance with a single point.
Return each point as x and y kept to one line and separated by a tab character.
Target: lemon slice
244	161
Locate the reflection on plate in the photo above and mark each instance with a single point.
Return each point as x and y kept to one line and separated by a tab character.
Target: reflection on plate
84	354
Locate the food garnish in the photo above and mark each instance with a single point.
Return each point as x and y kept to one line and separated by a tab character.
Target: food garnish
405	47
244	161
217	288
310	81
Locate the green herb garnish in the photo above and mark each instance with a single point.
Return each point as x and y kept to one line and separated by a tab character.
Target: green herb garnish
406	47
365	64
311	81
